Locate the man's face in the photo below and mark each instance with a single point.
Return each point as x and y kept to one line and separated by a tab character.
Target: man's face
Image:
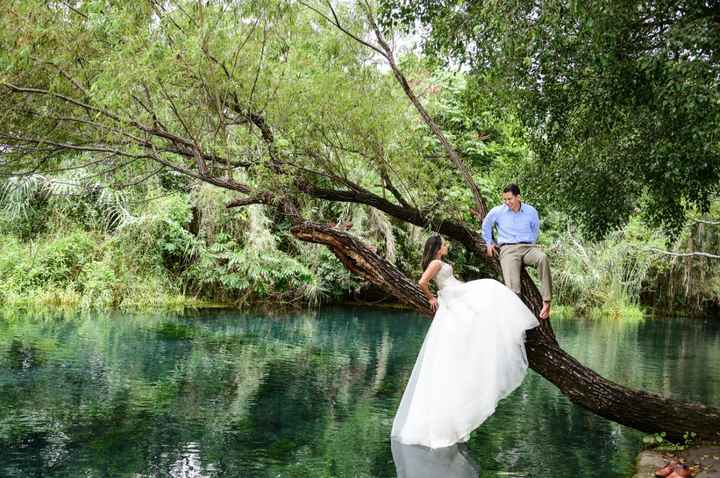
512	201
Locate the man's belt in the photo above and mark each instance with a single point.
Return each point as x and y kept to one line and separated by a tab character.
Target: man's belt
513	243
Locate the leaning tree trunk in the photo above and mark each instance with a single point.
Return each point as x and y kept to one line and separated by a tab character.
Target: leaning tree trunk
637	409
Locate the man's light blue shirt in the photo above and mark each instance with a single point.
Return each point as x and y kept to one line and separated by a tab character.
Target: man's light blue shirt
512	227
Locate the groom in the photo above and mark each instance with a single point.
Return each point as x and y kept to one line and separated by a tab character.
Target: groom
518	227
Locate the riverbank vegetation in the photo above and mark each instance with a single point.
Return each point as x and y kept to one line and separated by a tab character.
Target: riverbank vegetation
92	216
71	243
89	233
152	248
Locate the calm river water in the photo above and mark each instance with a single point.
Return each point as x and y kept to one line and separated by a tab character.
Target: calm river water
313	394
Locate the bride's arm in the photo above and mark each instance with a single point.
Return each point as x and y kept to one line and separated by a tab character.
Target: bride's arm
424	282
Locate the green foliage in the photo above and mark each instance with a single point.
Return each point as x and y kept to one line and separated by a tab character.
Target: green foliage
159	235
56	262
613	276
334	115
99	284
691	283
563	103
88	269
151	259
658	441
621	100
245	275
606	276
33	204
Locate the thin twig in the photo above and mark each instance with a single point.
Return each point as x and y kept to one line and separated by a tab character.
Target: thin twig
705	221
335	21
74	10
682	254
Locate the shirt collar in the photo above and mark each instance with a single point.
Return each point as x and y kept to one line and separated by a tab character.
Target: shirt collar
522	207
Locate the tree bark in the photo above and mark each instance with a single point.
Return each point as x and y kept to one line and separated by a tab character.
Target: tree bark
634	408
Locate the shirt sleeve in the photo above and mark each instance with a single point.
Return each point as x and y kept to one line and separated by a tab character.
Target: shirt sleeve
487	227
535	225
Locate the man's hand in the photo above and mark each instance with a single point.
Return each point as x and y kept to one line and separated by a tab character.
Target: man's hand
434	304
490	250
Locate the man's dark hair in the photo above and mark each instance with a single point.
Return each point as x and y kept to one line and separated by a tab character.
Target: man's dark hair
512	188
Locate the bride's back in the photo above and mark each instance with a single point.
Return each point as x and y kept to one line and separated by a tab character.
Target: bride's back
444	275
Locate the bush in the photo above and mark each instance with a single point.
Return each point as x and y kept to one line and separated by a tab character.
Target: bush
61	260
229	273
605	275
99	285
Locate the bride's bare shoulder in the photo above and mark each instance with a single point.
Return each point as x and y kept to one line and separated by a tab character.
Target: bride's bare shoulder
431	270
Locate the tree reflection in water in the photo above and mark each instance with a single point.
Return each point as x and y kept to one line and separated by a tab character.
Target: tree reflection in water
313	394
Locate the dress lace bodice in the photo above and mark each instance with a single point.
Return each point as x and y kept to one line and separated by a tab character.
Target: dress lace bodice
445	276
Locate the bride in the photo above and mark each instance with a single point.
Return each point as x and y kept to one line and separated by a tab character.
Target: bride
473	356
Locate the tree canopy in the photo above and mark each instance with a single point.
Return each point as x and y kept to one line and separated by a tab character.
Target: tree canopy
621	100
250	96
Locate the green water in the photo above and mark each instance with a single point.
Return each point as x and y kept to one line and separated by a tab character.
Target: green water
303	395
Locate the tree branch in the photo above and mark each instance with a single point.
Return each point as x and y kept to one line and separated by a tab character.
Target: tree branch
642	410
391	187
682	254
223	183
705	221
336	22
263	198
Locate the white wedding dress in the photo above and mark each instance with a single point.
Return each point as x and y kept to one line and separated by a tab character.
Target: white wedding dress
472	357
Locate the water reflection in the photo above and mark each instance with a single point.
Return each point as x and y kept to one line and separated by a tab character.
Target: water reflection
413	461
225	394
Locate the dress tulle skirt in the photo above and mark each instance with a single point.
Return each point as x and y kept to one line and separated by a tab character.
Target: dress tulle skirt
472	357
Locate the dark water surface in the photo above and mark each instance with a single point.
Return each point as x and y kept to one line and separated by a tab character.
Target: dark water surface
218	393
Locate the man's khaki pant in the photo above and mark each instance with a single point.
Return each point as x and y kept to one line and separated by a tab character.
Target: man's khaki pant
513	257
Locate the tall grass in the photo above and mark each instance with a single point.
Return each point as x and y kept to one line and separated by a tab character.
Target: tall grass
691	283
66	242
604	277
97	249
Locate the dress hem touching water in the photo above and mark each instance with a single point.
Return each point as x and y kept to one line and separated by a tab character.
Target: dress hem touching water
472	357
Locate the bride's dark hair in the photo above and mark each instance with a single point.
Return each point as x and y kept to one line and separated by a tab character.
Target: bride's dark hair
432	246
